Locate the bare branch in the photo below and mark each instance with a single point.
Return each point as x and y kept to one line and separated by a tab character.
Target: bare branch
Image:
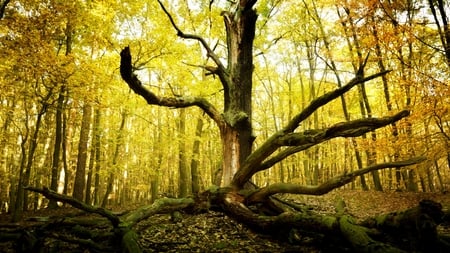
211	70
326	98
352	128
76	203
263	193
202	41
176	102
283	155
309	138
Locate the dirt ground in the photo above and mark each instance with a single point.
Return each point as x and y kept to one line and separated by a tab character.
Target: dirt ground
214	232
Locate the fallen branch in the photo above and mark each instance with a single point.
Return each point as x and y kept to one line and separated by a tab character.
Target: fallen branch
164	205
114	219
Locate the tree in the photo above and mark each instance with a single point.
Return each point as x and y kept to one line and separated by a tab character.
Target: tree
117	148
195	157
240	163
440	15
233	63
57	147
80	173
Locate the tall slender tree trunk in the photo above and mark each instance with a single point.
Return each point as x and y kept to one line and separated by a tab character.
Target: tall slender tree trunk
438	174
64	153
387	98
183	179
4	151
57	147
441	19
80	173
313	153
406	59
154	180
112	174
332	65
90	172
195	157
94	159
17	205
366	110
97	147
32	148
69	40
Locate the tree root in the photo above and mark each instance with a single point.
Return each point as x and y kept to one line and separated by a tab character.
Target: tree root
410	230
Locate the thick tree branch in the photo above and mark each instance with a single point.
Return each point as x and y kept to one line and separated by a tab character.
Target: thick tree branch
304	140
352	128
163	205
326	98
3	8
263	193
135	84
76	203
280	156
306	221
307	139
221	69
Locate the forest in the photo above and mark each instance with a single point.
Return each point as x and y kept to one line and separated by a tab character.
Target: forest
117	115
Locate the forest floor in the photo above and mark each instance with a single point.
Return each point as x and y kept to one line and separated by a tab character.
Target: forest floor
214	232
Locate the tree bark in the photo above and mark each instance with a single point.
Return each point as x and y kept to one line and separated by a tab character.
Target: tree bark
65	148
442	25
154	177
113	169
57	146
94	163
98	155
3	8
237	138
4	152
80	173
183	179
17	203
195	157
32	149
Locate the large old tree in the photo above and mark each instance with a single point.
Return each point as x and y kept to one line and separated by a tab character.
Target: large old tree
241	160
257	207
240	163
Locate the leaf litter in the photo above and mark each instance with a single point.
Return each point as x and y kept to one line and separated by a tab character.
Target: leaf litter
215	232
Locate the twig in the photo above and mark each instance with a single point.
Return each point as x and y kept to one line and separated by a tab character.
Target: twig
202	41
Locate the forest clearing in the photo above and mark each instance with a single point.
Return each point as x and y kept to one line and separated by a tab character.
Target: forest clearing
128	124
